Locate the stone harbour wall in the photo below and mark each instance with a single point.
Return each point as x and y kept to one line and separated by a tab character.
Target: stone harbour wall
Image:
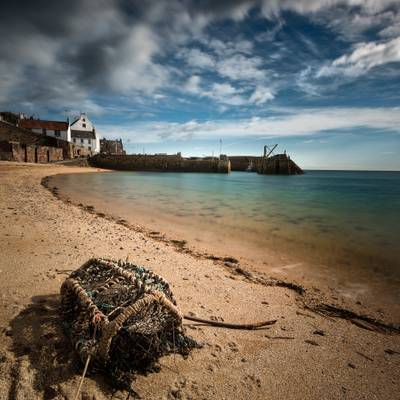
162	163
280	164
241	163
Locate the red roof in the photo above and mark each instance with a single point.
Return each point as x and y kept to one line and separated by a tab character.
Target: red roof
40	124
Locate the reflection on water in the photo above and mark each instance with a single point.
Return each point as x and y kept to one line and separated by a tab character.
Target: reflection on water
341	216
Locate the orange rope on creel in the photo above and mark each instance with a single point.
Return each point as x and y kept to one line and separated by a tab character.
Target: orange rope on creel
96	320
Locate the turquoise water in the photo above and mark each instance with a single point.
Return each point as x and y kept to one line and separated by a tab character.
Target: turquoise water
342	216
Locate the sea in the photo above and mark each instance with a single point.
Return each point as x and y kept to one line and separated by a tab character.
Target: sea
349	219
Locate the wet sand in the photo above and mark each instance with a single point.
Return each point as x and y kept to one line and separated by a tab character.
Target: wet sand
314	350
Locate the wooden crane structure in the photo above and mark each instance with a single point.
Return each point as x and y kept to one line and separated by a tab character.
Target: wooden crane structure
269	149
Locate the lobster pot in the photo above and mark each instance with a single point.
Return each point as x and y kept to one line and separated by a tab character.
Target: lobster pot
123	315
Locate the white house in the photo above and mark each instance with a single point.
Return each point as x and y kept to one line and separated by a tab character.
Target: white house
57	129
83	133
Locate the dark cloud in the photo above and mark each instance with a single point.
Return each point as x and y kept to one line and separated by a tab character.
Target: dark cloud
57	54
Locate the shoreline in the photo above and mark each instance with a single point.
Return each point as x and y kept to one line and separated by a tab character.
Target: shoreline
48	236
356	277
307	297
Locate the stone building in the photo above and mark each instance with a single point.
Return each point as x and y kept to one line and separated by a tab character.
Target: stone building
81	132
17	144
111	146
57	129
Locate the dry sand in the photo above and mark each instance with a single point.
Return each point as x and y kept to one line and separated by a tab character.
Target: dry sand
305	355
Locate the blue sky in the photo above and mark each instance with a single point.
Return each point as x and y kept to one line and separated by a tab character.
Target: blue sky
320	78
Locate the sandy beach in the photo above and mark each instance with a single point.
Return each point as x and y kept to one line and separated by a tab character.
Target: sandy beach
323	345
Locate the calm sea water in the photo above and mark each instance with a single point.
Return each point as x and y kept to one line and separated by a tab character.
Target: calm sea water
337	216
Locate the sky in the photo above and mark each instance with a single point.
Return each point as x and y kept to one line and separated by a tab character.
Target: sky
321	78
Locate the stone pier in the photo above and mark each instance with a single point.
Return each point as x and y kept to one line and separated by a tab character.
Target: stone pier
279	164
161	163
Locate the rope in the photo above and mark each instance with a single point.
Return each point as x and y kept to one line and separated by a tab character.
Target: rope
96	320
252	326
111	329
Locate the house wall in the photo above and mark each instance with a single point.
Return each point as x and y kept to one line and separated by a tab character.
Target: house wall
86	143
64	135
69	139
84	124
80	151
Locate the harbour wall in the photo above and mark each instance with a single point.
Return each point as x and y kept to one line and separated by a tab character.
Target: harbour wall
279	164
241	163
161	163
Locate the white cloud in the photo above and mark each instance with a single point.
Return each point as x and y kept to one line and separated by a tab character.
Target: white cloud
227	94
192	85
136	69
229	47
196	58
272	8
221	92
390	31
365	57
261	95
239	67
288	123
305	84
349	18
230	60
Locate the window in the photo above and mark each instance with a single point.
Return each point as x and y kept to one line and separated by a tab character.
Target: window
83	119
82	141
44	130
89	141
74	140
90	148
84	125
57	133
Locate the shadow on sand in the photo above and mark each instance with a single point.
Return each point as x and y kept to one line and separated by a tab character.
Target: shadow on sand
38	335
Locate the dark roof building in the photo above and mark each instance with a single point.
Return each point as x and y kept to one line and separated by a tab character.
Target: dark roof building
57	129
42	124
